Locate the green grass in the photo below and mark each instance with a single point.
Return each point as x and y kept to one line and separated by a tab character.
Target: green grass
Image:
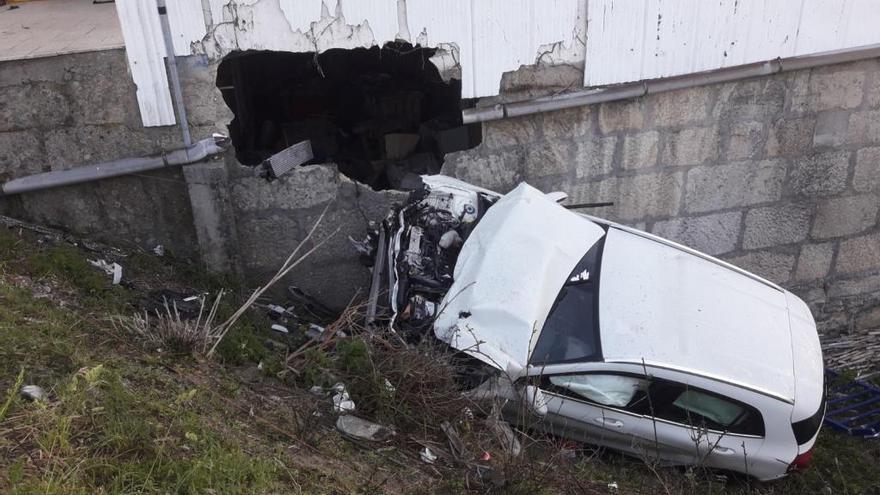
122	418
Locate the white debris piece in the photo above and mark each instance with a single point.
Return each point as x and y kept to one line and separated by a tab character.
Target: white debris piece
362	429
34	392
342	403
112	269
159	250
279	328
427	456
449	239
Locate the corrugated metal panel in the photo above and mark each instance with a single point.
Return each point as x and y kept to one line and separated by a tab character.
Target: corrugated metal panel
143	41
633	40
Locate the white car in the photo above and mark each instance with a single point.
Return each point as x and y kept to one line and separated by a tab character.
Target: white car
607	334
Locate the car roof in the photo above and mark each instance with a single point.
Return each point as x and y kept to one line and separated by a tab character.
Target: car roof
667	306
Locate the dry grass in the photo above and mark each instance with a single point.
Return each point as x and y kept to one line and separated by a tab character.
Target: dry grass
168	330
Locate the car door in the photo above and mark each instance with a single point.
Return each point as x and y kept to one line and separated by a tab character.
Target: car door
704	427
596	407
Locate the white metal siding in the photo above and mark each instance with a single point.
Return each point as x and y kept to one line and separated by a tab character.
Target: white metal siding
489	37
633	40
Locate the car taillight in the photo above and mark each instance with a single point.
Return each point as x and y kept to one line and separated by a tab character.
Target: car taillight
801	462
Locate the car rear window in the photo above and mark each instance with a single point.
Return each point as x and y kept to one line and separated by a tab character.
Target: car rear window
571	331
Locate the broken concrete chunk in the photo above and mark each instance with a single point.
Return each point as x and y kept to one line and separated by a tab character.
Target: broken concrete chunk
362	429
34	393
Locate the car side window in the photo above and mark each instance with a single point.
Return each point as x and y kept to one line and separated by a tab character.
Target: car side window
699	408
605	389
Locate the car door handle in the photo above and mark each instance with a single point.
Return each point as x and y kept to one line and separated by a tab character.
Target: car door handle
614	423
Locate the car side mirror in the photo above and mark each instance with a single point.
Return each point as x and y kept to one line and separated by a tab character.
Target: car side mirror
557	196
534	399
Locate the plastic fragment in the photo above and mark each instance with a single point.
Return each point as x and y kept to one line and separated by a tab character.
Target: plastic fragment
428	456
362	429
279	328
34	392
342	403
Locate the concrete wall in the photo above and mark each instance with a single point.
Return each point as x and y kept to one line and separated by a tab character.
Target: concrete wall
779	175
60	112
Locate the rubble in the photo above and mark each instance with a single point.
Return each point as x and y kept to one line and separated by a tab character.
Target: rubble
112	269
859	353
361	429
428	456
342	403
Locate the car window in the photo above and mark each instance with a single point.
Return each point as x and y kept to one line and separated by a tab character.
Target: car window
608	390
571	331
699	408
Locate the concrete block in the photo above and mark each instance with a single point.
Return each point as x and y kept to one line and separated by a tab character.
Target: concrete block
859	254
96	144
830	128
866	177
499	171
738	184
789	137
759	99
649	196
776	225
302	187
21	153
868	284
828	88
546	159
864	127
814	261
510	132
836	217
745	141
682	107
640	150
34	105
570	123
621	115
774	266
690	146
594	157
712	234
821	174
872	87
204	102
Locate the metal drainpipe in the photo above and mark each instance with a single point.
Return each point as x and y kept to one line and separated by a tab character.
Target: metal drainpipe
641	88
195	153
172	72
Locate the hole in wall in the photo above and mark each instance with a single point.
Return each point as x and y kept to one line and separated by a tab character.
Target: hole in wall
382	115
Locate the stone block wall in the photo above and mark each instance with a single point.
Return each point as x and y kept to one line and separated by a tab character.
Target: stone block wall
779	175
78	109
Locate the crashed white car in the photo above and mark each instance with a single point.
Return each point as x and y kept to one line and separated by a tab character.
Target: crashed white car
607	334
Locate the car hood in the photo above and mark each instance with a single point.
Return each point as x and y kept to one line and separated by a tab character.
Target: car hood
508	274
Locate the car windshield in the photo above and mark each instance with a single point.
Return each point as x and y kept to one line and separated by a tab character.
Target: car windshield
571	331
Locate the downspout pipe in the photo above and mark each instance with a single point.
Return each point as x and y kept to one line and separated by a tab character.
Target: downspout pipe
195	153
642	88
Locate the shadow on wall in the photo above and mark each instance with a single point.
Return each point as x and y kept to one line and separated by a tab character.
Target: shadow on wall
383	115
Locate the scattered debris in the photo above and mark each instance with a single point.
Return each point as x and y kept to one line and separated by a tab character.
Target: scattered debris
34	393
159	250
342	403
858	353
504	434
456	445
280	328
428	456
613	486
287	159
112	269
362	429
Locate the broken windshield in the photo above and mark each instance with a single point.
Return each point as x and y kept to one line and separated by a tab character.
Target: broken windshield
571	331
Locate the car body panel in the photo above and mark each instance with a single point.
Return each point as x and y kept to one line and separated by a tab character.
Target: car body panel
667	306
508	274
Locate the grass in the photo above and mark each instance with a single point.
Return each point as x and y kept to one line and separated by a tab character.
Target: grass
122	418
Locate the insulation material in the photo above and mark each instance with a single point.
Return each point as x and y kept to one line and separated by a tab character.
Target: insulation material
634	41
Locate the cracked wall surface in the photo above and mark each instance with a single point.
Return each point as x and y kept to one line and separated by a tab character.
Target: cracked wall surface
477	40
